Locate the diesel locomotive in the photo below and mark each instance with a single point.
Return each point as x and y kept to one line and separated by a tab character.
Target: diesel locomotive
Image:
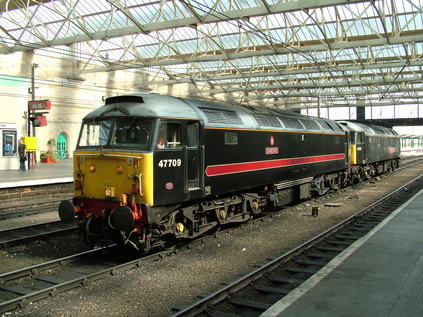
149	169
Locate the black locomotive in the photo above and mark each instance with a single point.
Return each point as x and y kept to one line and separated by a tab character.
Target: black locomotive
149	168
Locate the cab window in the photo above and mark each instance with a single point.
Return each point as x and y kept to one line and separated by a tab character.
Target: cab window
132	133
95	133
169	135
360	137
192	134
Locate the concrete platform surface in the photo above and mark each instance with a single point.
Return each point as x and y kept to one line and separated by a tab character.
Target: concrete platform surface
43	173
379	275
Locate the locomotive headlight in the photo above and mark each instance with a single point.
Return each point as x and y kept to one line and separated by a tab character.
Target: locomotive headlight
91	168
109	191
119	169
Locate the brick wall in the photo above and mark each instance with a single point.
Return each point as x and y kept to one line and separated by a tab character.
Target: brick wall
10	197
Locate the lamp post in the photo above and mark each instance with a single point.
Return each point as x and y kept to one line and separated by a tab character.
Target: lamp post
33	66
33	92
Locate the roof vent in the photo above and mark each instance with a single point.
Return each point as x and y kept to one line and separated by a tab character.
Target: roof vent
124	98
310	124
221	116
291	123
267	121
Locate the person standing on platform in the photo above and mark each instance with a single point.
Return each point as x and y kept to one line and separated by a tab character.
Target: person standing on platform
22	155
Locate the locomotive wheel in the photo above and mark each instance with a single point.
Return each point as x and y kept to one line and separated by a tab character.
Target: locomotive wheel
146	246
90	235
320	186
367	172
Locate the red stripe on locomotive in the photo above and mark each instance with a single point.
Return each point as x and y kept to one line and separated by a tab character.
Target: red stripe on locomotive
223	169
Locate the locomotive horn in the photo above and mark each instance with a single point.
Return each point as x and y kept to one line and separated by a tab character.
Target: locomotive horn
66	211
123	218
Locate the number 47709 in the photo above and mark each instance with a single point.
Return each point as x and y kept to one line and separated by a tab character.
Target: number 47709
170	163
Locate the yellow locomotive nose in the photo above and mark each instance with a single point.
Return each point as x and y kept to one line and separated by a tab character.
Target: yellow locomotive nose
119	169
111	174
110	191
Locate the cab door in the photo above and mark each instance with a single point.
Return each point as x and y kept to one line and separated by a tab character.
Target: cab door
193	160
169	164
361	148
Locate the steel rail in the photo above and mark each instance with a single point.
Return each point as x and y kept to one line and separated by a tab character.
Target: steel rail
113	270
19	234
83	280
216	297
54	204
29	209
410	162
35	270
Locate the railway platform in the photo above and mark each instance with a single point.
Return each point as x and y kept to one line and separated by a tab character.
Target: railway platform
42	174
380	274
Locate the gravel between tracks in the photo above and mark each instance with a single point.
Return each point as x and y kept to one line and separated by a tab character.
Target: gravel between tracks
39	250
29	220
176	280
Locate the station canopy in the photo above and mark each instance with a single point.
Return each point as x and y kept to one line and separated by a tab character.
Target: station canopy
277	53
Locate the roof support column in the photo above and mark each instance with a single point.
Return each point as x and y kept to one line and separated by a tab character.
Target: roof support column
361	113
318	106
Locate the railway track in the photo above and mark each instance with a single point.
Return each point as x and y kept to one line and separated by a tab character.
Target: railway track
17	235
49	279
38	208
28	209
410	162
19	287
254	293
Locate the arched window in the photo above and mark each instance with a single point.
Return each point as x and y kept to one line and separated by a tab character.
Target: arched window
62	146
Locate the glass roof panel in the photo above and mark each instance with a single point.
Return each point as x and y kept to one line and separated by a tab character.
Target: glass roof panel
234	43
